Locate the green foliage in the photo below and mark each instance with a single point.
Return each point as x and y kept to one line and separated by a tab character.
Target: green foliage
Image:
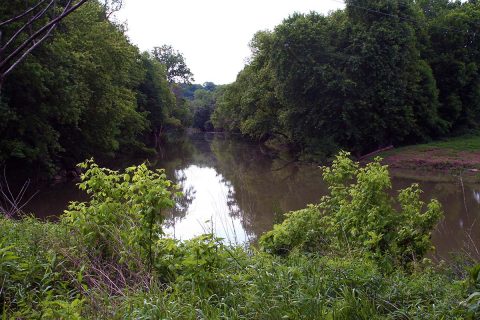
80	87
359	214
454	60
86	92
472	303
300	287
301	230
214	281
124	214
173	60
37	280
197	262
87	266
155	97
249	105
203	104
375	74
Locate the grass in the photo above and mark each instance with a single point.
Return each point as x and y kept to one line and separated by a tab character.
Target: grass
463	143
300	287
458	153
466	143
39	280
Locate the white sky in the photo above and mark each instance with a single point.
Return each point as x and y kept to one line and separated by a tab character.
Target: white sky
213	35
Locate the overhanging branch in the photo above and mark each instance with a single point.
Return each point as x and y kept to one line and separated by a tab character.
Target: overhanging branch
14	58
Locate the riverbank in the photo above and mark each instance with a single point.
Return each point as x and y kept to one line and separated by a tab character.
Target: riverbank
108	258
455	154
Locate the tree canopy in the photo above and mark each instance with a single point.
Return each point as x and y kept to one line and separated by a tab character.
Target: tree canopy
177	70
85	91
374	74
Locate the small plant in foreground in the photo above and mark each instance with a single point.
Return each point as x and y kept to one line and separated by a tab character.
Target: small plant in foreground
124	214
472	303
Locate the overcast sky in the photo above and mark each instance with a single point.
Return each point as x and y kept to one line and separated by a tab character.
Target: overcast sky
213	35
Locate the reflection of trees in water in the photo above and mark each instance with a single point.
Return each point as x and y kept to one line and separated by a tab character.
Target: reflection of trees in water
233	208
261	187
182	202
460	226
260	190
476	196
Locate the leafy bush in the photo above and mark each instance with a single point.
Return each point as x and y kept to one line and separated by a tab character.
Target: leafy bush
360	214
124	214
301	230
195	261
36	281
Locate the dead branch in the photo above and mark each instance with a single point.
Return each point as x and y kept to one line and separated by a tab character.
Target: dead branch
26	25
376	152
13	59
12	205
20	16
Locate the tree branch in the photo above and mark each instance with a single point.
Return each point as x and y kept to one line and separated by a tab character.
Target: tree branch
28	24
20	16
43	32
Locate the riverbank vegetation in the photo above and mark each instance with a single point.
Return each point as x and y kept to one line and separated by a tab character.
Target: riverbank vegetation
108	258
376	74
459	155
373	75
85	91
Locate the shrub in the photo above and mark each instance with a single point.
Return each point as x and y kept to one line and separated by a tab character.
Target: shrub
124	214
35	280
360	214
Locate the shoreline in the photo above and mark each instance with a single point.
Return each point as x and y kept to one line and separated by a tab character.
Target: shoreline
460	155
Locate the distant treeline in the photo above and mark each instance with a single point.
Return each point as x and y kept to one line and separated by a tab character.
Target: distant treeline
379	72
86	91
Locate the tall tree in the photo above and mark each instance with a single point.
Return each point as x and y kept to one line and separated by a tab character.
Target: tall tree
177	69
155	97
396	98
73	97
454	55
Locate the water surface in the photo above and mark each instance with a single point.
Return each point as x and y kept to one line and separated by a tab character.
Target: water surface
238	190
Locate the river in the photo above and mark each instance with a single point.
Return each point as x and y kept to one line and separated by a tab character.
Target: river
239	190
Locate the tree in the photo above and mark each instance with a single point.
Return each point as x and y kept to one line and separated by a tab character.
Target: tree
25	30
359	78
155	97
177	70
203	105
454	55
396	98
75	96
111	6
250	105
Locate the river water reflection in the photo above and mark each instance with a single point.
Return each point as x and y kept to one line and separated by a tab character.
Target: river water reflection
239	190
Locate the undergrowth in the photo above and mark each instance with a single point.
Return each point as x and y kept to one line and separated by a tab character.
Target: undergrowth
108	258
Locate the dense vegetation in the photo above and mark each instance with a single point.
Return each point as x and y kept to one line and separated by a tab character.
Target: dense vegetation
108	258
379	72
374	74
203	99
85	91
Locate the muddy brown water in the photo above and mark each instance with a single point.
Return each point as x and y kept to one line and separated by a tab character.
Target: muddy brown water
239	190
